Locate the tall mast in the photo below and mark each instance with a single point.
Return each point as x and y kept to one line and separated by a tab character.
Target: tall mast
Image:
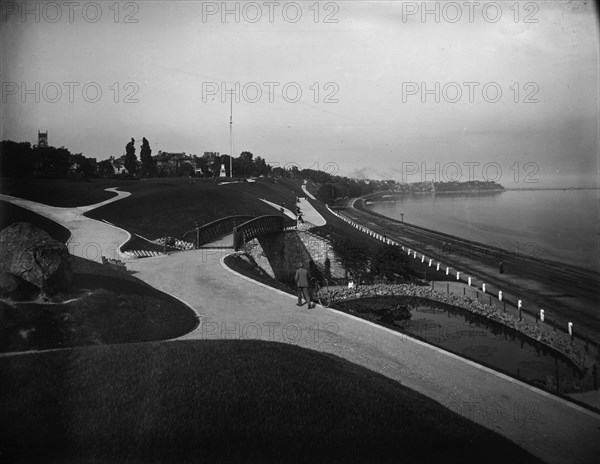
231	137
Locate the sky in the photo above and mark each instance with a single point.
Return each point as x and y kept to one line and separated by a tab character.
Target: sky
410	91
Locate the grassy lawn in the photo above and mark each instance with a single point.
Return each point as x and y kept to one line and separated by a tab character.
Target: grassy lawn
169	206
160	207
61	192
104	306
206	401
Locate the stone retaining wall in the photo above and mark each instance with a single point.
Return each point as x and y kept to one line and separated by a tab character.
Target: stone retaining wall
279	254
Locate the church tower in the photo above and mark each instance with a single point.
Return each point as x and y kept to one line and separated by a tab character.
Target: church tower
42	139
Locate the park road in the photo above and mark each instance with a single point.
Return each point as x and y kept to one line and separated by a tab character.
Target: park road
234	307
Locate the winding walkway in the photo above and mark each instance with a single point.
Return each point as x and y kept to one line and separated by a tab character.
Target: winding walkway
234	307
90	239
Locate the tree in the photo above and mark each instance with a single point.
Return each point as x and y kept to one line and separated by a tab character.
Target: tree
105	168
353	256
84	167
148	164
261	167
16	159
244	167
389	261
130	158
54	162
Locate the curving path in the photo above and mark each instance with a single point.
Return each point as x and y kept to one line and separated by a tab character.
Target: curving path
309	213
234	307
89	239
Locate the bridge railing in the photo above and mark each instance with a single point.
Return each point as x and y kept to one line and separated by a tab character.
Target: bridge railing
245	232
214	230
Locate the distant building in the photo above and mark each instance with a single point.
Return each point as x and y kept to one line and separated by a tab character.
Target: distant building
118	165
173	164
42	139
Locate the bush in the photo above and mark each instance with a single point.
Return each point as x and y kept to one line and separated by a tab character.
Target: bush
389	262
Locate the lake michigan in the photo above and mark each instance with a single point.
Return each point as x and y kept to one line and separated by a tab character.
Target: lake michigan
560	225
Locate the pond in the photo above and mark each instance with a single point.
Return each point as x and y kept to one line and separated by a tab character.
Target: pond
471	336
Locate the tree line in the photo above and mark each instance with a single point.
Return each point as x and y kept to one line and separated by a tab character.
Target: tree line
20	159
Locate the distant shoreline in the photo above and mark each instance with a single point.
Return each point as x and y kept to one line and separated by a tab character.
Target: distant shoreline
391	196
554	188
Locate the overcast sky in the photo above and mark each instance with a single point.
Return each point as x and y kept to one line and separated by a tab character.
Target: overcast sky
386	92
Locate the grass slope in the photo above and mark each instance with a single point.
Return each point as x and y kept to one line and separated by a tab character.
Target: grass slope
160	207
214	401
61	192
104	306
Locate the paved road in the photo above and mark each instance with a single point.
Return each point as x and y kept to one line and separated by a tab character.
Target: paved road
565	292
233	307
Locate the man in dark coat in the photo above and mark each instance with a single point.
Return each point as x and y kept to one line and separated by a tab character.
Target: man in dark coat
302	279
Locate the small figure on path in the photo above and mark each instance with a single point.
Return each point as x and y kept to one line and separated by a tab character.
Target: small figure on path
501	267
302	279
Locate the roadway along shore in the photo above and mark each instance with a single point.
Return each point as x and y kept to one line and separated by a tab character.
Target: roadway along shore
566	293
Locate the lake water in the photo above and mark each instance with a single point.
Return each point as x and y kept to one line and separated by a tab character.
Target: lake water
561	225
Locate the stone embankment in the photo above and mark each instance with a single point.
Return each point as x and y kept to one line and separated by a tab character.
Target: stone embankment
555	340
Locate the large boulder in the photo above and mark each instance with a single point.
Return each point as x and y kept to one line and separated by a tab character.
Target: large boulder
31	254
15	288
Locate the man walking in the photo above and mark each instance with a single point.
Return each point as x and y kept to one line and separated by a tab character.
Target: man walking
302	279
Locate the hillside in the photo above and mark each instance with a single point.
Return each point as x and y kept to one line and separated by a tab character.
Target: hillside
225	401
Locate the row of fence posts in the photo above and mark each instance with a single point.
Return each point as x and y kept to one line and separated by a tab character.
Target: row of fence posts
541	315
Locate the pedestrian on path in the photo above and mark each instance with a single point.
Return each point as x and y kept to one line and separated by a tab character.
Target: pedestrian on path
302	279
501	267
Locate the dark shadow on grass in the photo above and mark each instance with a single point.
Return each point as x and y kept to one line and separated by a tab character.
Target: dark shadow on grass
217	401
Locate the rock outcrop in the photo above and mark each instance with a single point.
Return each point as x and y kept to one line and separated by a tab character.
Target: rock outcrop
15	288
31	254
